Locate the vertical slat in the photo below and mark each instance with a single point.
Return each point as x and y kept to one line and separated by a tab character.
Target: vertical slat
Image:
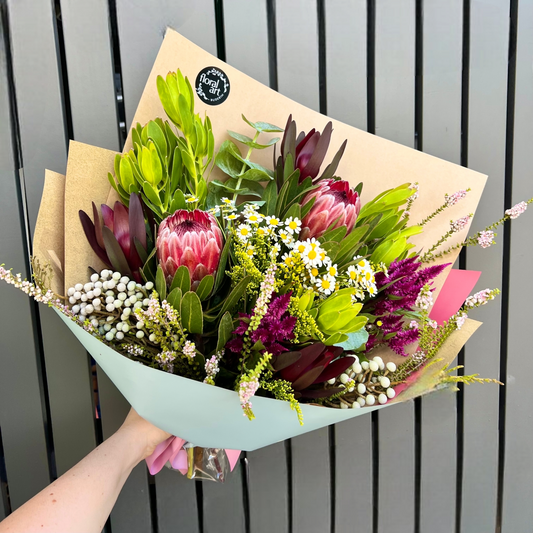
90	72
21	412
246	38
269	505
141	29
518	482
441	136
489	37
346	34
223	504
395	70
297	47
42	124
311	482
176	508
247	50
296	27
131	513
353	475
394	115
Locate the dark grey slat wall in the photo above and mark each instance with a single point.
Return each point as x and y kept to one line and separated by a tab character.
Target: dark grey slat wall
24	444
489	41
440	136
87	40
394	112
517	511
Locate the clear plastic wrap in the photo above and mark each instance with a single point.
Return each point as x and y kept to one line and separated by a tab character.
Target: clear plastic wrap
207	464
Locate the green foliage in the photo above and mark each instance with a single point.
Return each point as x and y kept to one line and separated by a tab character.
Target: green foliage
192	316
164	163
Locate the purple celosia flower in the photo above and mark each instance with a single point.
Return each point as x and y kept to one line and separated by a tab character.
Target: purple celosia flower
405	280
276	326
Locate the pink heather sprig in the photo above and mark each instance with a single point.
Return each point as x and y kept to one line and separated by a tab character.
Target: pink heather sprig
26	286
481	298
486	238
449	201
425	298
189	349
266	290
249	383
516	210
247	389
455	227
212	368
165	360
460	224
460	319
410	201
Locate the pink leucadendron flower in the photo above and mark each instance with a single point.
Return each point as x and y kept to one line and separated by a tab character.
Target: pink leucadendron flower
192	239
336	205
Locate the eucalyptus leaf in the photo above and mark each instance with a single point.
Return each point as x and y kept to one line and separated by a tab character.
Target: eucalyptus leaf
355	340
262	126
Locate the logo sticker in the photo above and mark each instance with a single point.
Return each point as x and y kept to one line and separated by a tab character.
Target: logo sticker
212	85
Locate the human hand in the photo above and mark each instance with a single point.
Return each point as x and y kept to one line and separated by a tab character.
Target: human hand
143	433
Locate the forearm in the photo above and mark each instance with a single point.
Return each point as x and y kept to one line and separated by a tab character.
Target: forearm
82	498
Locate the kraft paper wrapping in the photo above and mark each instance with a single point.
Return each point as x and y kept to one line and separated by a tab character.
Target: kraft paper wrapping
49	239
210	416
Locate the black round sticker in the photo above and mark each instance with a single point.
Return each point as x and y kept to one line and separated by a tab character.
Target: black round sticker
212	85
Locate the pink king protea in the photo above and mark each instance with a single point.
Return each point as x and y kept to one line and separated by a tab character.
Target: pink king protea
192	239
335	203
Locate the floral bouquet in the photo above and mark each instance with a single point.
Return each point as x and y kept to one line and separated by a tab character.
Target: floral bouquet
222	270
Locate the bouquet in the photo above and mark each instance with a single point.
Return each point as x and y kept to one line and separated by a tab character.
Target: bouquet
223	271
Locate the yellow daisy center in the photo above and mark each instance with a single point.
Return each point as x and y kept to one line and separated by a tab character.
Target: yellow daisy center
332	271
353	274
244	231
325	284
314	271
361	263
312	254
293	224
301	248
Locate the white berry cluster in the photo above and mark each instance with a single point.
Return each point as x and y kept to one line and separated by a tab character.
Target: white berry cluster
367	383
109	301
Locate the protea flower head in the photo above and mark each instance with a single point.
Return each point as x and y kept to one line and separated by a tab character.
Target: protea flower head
192	239
311	366
336	205
309	150
118	240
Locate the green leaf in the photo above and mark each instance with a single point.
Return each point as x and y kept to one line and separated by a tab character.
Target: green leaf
333	340
178	202
206	286
235	295
221	271
189	163
186	116
225	329
335	235
115	253
192	316
126	173
270	197
350	243
253	174
307	207
244	139
158	137
174	299
227	162
355	340
167	101
151	194
160	283
182	280
262	126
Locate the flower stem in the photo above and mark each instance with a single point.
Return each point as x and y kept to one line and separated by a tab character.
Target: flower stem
239	181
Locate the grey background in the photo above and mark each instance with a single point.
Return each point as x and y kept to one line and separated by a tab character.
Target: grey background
452	78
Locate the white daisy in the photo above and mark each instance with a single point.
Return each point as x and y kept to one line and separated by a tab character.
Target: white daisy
244	232
252	217
313	255
325	284
272	222
293	225
286	237
231	216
